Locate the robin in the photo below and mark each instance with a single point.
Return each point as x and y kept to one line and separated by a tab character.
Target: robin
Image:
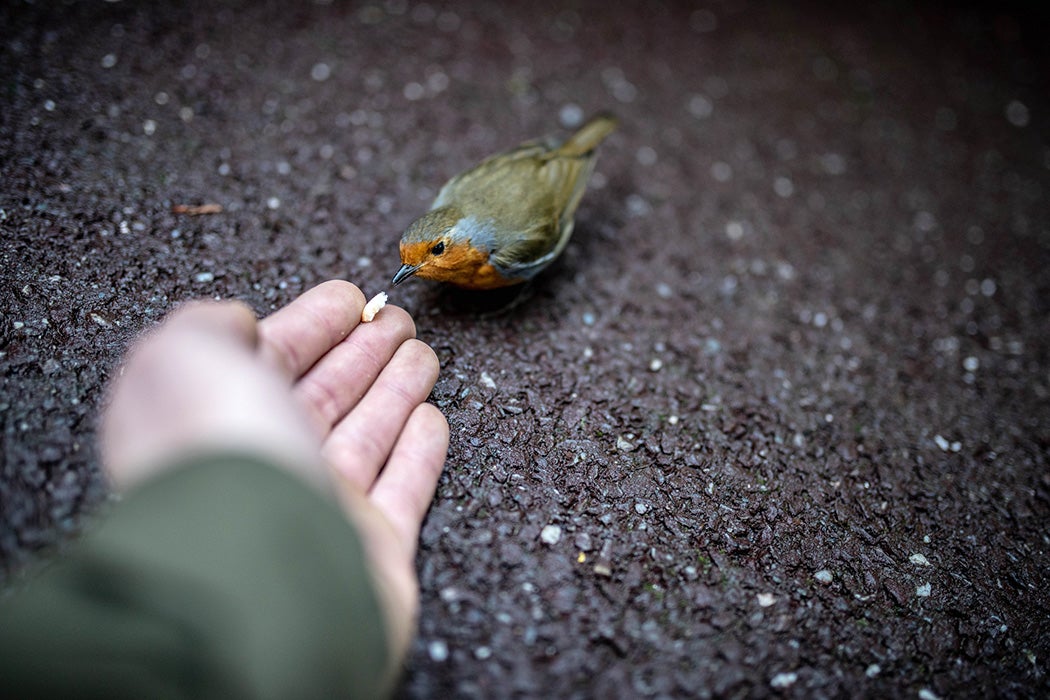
507	218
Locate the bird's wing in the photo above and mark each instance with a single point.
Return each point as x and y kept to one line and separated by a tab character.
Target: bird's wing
483	175
530	251
566	177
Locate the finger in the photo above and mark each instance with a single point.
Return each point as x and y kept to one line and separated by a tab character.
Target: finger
339	379
197	384
231	319
360	444
405	487
196	321
293	338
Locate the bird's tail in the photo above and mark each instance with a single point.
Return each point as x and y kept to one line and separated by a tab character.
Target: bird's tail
589	136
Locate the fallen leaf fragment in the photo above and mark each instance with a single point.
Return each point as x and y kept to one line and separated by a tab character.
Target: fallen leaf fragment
196	209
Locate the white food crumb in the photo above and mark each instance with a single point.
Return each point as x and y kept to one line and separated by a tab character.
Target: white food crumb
373	306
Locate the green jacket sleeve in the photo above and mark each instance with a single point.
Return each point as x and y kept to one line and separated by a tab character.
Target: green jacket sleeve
224	578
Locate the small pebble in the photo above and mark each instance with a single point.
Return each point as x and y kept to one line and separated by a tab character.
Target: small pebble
637	205
583	542
438	650
623	444
783	680
414	91
873	670
766	599
1017	113
919	560
571	115
924	590
551	534
700	107
941	442
824	576
833	163
320	72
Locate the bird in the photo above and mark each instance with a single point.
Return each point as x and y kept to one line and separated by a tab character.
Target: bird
507	218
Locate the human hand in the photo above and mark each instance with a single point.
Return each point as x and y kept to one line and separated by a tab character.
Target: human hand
339	403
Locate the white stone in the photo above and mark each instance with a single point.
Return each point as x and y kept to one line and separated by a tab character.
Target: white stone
551	534
438	650
783	680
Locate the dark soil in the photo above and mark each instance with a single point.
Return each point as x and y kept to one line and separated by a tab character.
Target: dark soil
777	421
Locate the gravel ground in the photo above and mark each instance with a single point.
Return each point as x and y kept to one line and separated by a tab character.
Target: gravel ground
776	423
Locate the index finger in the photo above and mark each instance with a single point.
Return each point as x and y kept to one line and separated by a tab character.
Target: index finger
295	337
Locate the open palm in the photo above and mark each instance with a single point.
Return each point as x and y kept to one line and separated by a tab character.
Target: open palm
339	403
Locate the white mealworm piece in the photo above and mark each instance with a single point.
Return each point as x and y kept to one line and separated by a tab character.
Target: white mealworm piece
373	306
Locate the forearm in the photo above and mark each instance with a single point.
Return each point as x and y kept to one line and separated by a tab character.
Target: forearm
224	577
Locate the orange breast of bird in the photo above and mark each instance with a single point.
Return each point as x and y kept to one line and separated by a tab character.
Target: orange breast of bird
461	264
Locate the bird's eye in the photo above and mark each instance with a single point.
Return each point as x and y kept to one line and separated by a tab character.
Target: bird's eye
438	249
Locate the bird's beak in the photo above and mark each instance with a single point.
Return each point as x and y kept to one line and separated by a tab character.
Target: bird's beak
404	273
